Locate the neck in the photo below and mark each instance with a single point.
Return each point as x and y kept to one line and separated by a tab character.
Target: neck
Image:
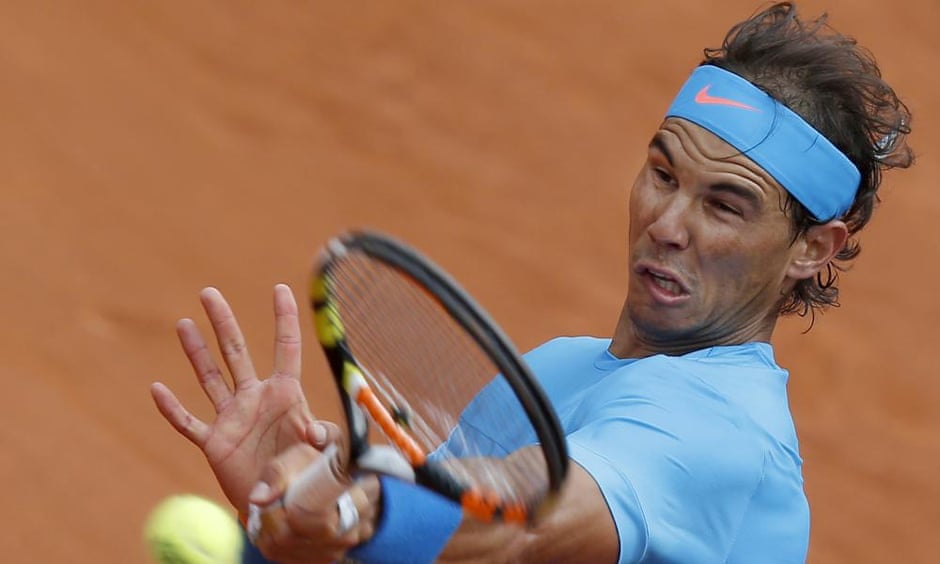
629	341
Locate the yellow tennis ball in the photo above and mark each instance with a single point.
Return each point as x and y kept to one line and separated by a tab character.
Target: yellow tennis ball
189	529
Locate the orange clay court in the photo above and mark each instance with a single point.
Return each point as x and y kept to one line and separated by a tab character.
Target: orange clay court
150	149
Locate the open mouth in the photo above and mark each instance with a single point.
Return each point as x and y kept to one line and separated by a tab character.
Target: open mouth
668	284
662	283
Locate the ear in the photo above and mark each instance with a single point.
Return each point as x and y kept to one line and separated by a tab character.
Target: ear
816	248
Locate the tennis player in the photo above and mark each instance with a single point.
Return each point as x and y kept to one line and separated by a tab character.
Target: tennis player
765	168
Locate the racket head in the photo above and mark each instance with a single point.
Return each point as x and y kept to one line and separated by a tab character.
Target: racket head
410	348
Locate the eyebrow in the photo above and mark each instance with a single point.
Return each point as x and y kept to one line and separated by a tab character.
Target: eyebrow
660	145
747	194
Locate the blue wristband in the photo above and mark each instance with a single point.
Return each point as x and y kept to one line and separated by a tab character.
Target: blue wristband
414	526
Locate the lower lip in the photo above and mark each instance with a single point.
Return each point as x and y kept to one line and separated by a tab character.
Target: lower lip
662	295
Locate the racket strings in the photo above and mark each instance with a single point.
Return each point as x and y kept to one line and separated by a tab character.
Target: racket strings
393	327
461	409
408	345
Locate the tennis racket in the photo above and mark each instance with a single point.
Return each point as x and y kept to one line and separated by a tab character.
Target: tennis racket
425	374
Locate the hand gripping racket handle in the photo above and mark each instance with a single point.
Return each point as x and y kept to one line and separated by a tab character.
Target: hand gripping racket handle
323	481
317	486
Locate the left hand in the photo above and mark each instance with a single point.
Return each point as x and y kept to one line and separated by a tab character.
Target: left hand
255	419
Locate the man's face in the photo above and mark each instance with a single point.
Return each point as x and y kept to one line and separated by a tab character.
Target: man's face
709	243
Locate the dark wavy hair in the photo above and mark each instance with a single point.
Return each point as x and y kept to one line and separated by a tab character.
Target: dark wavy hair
836	86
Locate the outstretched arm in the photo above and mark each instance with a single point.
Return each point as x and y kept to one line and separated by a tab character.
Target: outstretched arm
579	528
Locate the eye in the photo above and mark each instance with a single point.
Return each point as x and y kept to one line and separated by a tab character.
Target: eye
725	207
663	175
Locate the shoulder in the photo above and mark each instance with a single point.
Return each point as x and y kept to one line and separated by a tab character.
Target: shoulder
565	365
568	346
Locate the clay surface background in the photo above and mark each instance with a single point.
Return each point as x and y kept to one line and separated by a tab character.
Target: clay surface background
148	149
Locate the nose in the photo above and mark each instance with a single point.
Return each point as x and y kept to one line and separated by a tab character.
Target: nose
670	223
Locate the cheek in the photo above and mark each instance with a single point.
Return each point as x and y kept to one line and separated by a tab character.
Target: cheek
757	268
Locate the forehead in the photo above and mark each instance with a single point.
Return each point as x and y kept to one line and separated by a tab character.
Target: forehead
692	146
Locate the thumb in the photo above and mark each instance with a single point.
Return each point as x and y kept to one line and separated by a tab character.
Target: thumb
321	433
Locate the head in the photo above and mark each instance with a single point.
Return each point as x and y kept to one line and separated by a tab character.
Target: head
723	238
837	88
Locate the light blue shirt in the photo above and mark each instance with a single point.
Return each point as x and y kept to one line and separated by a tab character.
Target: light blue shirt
695	455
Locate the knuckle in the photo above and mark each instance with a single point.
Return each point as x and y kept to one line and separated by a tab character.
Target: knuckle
288	340
234	347
209	374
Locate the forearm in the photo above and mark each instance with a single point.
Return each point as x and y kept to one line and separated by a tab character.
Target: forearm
579	528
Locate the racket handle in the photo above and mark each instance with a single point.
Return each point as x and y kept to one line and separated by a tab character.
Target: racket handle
317	485
321	482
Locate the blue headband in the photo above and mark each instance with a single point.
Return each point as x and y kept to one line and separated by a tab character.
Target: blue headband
800	158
